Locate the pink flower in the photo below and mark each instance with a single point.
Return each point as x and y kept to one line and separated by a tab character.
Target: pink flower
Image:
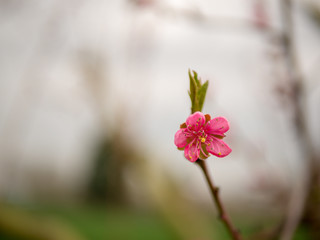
200	135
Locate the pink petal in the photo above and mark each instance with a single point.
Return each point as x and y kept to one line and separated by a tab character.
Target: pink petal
196	121
191	152
218	126
218	148
180	140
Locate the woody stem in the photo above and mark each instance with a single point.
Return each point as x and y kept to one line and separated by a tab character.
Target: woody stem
235	234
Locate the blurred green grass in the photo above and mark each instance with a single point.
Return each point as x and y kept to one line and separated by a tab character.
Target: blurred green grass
112	223
100	223
116	223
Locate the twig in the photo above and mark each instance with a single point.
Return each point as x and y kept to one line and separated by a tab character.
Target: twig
215	194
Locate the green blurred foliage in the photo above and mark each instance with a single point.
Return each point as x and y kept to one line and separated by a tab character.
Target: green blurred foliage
101	223
92	223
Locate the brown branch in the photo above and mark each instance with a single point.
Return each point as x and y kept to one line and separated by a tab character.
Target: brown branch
215	194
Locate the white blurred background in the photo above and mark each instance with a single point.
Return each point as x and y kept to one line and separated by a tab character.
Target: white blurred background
75	72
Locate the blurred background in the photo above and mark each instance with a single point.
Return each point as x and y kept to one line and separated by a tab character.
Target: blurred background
92	93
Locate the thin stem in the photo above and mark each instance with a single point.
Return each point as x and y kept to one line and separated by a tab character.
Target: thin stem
216	197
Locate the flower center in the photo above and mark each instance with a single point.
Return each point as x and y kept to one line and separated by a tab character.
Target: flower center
203	140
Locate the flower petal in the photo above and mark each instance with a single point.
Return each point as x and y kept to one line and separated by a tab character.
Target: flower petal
218	148
195	121
217	126
180	140
191	152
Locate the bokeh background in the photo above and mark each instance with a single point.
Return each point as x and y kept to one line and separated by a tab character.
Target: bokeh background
92	93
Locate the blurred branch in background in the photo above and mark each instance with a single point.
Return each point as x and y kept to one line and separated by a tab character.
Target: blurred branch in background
299	192
304	203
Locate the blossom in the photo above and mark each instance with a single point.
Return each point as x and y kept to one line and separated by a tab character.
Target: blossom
201	135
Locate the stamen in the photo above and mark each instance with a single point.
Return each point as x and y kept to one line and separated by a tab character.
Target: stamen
197	145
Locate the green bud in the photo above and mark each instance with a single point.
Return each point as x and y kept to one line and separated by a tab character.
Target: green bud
197	92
